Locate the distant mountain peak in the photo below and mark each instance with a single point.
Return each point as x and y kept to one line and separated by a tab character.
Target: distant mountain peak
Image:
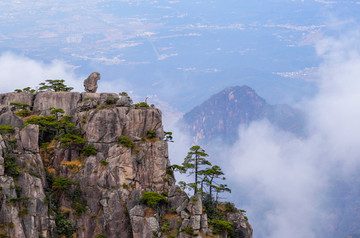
220	116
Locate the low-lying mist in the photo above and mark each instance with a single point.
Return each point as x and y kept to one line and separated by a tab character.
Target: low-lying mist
290	186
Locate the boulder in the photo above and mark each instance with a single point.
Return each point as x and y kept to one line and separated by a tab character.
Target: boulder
90	83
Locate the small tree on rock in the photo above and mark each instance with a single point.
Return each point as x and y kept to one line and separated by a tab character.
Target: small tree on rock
56	85
195	158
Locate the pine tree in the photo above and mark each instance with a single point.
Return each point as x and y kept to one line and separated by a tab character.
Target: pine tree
195	158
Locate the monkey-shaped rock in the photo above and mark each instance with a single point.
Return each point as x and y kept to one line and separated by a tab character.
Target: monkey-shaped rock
90	83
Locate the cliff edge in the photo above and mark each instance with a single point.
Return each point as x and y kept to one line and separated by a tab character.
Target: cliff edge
83	165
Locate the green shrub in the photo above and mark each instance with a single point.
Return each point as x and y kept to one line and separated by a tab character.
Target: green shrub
23	212
168	136
62	184
230	207
72	139
25	90
11	225
11	144
101	236
125	141
101	107
104	162
79	208
15	200
153	199
5	129
110	101
170	172
56	85
221	226
23	113
89	150
64	226
141	104
124	94
4	235
165	227
189	230
34	173
10	166
150	134
19	105
18	190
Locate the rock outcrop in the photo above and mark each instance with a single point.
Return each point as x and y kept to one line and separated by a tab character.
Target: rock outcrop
90	83
56	188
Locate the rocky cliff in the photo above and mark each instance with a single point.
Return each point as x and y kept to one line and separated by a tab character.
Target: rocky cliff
92	170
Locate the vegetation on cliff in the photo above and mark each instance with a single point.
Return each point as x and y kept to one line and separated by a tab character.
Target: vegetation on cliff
101	173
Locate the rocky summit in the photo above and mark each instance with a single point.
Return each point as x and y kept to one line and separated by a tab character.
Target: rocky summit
83	165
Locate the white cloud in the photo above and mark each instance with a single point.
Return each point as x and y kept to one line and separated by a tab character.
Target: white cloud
234	26
285	176
296	28
188	69
126	45
18	72
309	74
194	69
102	59
325	2
74	38
165	56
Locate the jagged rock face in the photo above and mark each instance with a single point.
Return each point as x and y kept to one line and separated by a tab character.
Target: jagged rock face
90	83
107	186
23	209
